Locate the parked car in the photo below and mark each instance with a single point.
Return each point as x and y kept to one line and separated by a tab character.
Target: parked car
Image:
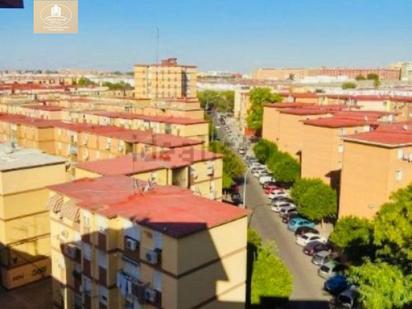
278	194
295	223
348	299
336	284
278	207
330	269
321	258
303	240
264	179
289	216
305	229
271	189
281	200
311	248
286	210
270	184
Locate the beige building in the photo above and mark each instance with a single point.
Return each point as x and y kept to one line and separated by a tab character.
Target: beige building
120	243
165	80
198	170
24	223
375	164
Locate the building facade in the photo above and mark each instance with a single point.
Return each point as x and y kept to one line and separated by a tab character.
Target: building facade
144	247
165	80
24	223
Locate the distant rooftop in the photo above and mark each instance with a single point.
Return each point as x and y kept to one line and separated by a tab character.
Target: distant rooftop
173	211
12	158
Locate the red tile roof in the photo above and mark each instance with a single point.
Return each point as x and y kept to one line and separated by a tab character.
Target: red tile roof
48	108
304	111
28	121
382	138
287	104
336	122
170	210
162	119
126	165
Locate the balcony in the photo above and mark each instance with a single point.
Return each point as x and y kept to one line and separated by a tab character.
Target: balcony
102	276
87	268
131	248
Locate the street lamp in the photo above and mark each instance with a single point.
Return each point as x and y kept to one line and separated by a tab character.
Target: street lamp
244	187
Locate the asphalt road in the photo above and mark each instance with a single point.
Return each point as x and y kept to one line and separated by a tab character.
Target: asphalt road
307	285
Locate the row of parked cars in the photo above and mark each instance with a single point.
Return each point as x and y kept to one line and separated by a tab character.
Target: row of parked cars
330	263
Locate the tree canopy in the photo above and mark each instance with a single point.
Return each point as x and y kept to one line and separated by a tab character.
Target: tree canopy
393	225
315	200
355	236
381	285
258	97
118	86
284	168
270	277
348	85
221	101
233	166
84	82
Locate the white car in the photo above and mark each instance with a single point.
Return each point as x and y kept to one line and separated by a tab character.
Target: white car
303	240
279	207
278	193
256	165
259	171
264	179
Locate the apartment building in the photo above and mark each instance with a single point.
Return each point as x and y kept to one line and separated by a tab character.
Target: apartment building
198	170
24	219
121	243
375	164
283	124
322	147
165	80
196	129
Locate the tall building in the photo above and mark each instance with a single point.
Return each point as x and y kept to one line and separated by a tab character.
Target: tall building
24	220
120	243
165	80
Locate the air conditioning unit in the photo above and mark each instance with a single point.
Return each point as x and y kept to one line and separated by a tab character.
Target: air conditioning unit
151	295
108	144
131	244
153	256
210	169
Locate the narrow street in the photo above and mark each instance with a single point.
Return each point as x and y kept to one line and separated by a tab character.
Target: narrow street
307	285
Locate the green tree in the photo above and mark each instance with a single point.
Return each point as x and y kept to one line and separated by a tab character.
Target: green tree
376	83
372	76
355	236
348	85
85	82
264	149
381	285
118	86
221	101
285	168
270	277
360	77
315	200
233	166
258	97
254	238
393	226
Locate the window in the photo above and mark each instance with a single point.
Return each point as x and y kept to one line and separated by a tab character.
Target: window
131	268
158	241
86	219
398	175
87	251
103	295
400	154
102	259
87	285
340	148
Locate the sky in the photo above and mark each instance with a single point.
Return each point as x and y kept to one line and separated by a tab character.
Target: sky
226	35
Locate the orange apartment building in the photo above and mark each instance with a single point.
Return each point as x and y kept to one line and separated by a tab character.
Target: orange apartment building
283	124
121	243
165	80
197	170
375	164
